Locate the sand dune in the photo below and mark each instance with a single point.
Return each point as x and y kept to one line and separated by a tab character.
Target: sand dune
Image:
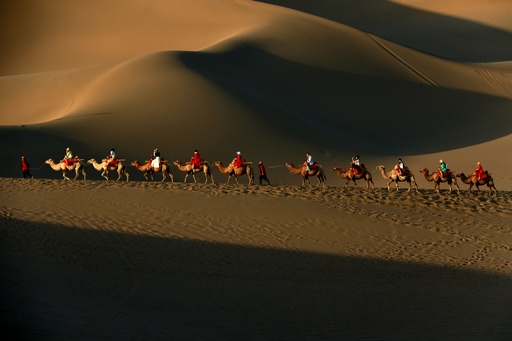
273	83
96	259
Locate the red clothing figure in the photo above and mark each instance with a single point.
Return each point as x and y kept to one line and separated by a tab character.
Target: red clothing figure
196	160
480	172
263	173
25	168
238	161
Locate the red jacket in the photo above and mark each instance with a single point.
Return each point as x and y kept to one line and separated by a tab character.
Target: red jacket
196	160
25	165
239	161
262	169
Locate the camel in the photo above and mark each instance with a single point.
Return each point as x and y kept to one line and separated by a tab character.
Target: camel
318	172
236	172
188	170
350	175
393	176
437	179
119	167
147	169
61	166
473	180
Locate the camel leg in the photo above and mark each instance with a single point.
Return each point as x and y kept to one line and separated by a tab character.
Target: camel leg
194	177
64	175
389	183
471	186
346	185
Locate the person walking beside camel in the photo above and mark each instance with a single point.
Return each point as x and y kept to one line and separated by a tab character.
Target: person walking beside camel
25	168
263	173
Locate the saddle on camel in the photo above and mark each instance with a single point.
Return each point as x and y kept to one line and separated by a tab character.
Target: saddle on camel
112	162
70	162
357	169
401	171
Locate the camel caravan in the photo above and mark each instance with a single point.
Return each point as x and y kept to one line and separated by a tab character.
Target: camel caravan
239	167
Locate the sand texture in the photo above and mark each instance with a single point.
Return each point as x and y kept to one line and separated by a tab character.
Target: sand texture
106	260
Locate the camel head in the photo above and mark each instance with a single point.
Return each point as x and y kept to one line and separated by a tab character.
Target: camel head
217	163
49	161
424	171
135	163
91	161
177	163
337	169
381	167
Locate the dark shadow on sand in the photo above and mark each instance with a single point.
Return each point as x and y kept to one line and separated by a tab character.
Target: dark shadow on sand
61	283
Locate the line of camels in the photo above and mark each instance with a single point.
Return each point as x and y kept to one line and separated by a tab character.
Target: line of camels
235	172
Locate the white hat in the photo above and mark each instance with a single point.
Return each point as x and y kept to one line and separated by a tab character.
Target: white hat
237	153
441	161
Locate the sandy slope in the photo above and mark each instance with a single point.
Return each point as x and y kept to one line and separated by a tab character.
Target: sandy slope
88	260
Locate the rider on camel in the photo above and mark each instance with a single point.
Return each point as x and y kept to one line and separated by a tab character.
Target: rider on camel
443	168
356	164
196	161
68	157
111	157
479	171
238	161
401	168
309	162
155	159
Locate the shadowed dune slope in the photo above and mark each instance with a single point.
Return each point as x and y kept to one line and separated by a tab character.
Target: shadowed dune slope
470	31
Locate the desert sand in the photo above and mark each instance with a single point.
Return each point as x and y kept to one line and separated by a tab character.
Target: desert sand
94	259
